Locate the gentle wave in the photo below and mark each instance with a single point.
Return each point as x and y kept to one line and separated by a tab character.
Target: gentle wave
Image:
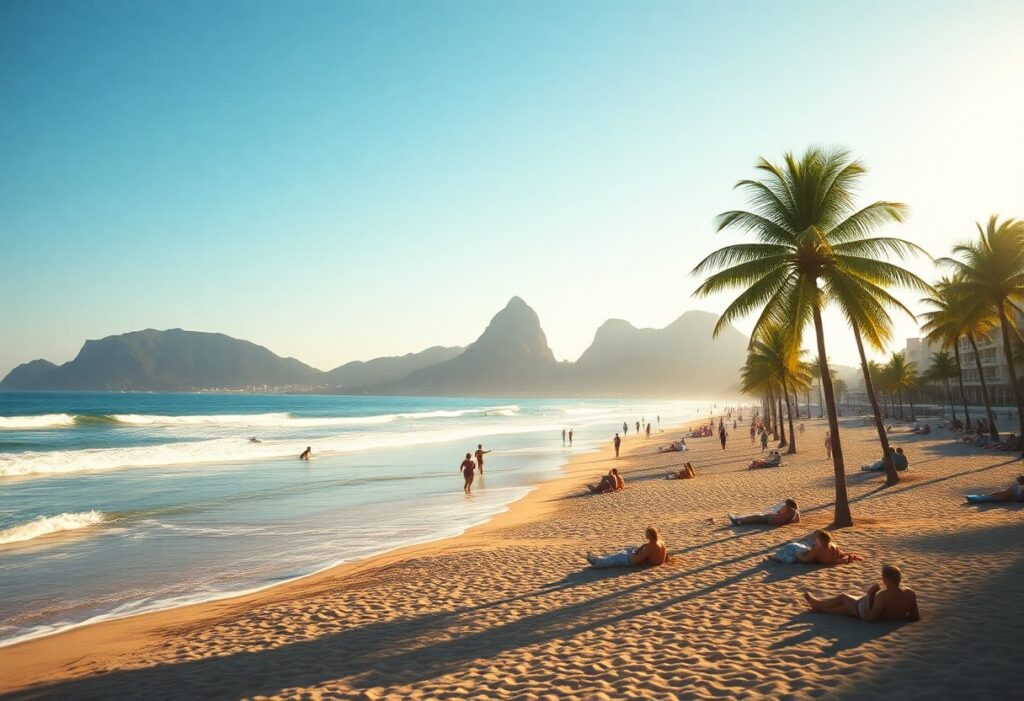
270	420
228	450
47	525
40	421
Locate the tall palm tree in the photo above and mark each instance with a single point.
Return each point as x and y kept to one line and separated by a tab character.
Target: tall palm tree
943	325
812	247
991	268
903	376
783	365
942	367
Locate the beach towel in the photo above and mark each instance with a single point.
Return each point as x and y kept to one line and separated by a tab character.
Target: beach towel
788	552
979	498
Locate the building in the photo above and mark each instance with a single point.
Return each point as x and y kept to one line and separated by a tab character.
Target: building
993	363
919	352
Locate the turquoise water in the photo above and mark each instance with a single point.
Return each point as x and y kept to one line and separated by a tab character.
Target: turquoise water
113	504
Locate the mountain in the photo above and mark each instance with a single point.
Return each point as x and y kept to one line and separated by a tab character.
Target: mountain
511	357
361	373
682	357
27	375
167	361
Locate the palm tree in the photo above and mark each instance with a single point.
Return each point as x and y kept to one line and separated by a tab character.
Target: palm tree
783	366
903	376
943	325
942	367
812	246
991	268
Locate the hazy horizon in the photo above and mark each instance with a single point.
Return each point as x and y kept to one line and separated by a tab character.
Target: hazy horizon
340	182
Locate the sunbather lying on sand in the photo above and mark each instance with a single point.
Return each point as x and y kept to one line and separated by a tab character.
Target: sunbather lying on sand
888	601
785	514
687	473
652	553
1015	492
612	482
823	552
774	459
674	447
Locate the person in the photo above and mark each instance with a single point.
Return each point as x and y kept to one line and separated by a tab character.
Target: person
652	553
784	515
802	429
638	428
468	468
888	601
612	482
899	460
625	428
824	552
648	430
254	439
687	473
1015	492
480	453
828	445
753	433
659	420
721	434
879	465
570	437
674	447
563	437
306	454
616	442
764	440
774	460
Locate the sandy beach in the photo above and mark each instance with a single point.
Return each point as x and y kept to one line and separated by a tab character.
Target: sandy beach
509	609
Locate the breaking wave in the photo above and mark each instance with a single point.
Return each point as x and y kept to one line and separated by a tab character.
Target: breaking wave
48	525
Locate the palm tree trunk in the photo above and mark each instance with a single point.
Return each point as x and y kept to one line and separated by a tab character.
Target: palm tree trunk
821	402
960	380
782	421
949	398
1014	381
891	476
843	517
992	431
899	393
807	403
789	413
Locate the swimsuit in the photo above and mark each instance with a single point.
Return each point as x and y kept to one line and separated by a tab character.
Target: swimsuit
863	606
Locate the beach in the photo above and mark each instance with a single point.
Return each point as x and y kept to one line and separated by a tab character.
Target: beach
509	609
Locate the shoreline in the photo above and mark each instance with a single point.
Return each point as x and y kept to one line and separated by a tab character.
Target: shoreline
115	636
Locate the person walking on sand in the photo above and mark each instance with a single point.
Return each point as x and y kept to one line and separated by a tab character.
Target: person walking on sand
616	442
764	440
648	430
753	433
306	454
625	428
570	437
638	428
888	601
721	435
828	445
480	453
468	468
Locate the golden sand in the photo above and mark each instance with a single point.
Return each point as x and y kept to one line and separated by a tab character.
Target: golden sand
509	609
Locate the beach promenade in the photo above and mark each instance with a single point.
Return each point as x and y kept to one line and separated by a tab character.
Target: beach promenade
509	609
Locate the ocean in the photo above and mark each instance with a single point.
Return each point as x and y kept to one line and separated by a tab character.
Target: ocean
113	504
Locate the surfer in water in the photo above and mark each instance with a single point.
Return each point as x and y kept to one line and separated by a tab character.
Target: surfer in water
306	454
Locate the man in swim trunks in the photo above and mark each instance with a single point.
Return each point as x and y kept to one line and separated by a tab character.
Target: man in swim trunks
480	452
468	468
826	552
783	517
888	601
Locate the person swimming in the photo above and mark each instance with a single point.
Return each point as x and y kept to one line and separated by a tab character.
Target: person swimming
306	454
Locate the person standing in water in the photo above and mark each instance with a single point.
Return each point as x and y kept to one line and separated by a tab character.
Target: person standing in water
563	437
570	437
625	428
468	468
480	453
616	442
306	454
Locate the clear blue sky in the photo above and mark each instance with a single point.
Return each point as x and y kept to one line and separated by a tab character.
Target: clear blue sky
340	180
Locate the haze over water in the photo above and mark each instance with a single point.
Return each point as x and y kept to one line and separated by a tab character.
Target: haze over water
120	503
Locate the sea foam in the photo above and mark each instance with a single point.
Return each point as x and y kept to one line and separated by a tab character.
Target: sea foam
47	525
35	422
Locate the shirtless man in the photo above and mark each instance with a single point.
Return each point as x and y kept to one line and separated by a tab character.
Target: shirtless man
825	552
783	517
480	453
617	442
1014	493
687	473
468	468
306	454
888	601
652	553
